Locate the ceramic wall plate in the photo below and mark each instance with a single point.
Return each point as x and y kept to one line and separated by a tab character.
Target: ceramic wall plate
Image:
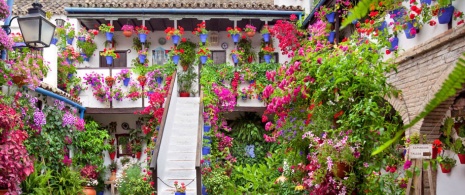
125	126
162	41
224	45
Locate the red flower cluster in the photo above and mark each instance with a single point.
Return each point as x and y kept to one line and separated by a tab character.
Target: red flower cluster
142	30
201	29
288	36
338	114
170	31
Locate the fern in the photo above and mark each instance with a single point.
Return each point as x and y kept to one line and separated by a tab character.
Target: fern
454	82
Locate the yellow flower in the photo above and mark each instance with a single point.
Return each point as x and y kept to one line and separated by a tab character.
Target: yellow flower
299	188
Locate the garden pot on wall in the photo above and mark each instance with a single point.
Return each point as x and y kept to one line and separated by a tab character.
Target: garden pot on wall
142	58
54	41
250	34
203	38
89	191
445	169
266	37
408	30
127	33
126	81
397	14
69	40
159	80
203	59
331	17
204	190
109	60
206	128
175	59
184	94
138	154
234	58
394	43
331	36
84	56
382	26
267	58
235	37
428	2
109	36
175	39
112	155
205	151
143	38
445	14
461	158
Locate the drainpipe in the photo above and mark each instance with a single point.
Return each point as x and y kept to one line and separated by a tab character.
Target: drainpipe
59	97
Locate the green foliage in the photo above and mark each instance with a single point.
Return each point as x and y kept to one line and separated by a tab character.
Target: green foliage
133	183
88	47
246	46
454	82
137	45
186	80
37	183
446	162
188	57
256	178
67	182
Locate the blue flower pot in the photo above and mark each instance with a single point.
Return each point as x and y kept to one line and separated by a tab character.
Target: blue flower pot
394	44
143	38
267	58
244	97
179	193
204	190
100	193
176	59
266	37
69	40
203	59
70	75
330	17
383	26
331	36
407	31
445	14
259	97
206	128
397	14
428	2
203	38
235	37
109	36
205	150
109	60
54	41
82	39
126	81
84	56
234	58
149	93
175	39
142	58
159	80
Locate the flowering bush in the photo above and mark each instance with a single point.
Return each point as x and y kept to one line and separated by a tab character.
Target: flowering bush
30	67
133	92
109	52
117	94
250	28
201	29
93	79
101	93
5	41
142	30
4	10
107	28
71	54
127	27
170	31
233	31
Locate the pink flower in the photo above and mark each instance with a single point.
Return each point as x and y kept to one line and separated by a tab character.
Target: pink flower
293	17
407	164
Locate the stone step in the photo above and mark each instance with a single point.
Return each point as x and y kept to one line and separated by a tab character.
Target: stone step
185	164
178	174
181	156
182	148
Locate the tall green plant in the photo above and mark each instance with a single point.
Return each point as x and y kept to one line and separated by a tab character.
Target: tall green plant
188	57
37	183
67	182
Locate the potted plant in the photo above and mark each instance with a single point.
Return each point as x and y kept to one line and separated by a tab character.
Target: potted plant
180	189
133	92
201	31
437	148
267	53
112	168
127	30
89	173
117	94
175	56
444	10
459	149
109	29
71	32
250	30
137	149
265	31
235	33
141	71
142	55
93	79
125	76
446	163
28	68
135	182
236	55
245	46
87	46
204	53
188	57
110	55
124	161
112	152
142	31
174	33
109	80
185	82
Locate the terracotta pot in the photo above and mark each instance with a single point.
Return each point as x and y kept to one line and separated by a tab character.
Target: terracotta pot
89	191
461	158
127	33
250	34
19	80
142	80
112	155
112	176
184	94
184	68
138	154
445	170
342	169
3	191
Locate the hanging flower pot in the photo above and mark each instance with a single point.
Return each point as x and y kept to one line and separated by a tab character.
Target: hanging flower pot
244	97
70	75
69	60
235	37
203	59
127	33
203	38
109	80
250	59
204	190
260	97
428	2
112	155
267	58
266	37
331	36
445	168
175	59
179	193
208	139
142	80
234	58
109	60
250	33
109	36
397	14
142	58
410	31
184	94
461	158
69	40
206	128
126	81
159	80
54	41
394	43
143	38
445	14
205	151
175	39
330	17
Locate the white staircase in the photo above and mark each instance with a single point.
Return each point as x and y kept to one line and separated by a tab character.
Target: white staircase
176	160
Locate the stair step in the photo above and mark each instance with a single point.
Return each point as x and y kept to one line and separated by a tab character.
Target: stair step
182	148
179	174
180	164
181	155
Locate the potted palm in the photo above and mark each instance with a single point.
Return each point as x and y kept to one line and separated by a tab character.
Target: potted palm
109	29
127	30
185	82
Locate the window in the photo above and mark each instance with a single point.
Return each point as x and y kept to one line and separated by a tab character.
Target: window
117	62
274	58
219	57
160	56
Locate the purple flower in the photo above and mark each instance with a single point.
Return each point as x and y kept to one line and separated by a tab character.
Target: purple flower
68	119
67	161
249	149
407	164
59	104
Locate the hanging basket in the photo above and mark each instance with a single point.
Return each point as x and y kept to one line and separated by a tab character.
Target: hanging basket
267	58
109	36
235	37
250	34
175	39
445	169
143	38
445	14
266	37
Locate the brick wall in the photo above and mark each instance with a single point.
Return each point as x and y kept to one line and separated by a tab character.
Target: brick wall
421	72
